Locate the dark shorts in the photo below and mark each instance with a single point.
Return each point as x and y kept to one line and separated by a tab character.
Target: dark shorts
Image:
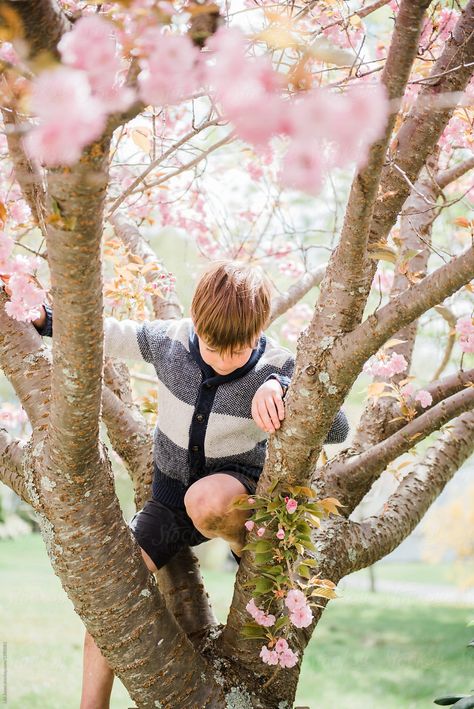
162	530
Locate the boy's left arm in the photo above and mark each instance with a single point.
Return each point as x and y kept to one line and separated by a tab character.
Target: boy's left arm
268	409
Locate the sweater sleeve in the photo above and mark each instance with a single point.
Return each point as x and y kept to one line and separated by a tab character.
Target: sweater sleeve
340	426
47	329
124	339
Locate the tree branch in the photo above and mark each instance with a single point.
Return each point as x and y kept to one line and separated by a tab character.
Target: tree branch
42	24
424	124
366	339
445	177
285	301
377	536
27	365
415	238
450	318
11	458
351	477
26	172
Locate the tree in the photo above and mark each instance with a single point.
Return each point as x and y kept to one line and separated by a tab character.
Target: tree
161	638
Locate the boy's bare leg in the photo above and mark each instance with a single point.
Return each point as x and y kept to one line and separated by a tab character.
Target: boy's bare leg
97	677
208	502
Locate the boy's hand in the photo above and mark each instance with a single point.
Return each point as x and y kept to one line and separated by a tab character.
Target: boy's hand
267	406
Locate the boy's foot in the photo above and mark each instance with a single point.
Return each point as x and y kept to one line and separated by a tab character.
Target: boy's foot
237	558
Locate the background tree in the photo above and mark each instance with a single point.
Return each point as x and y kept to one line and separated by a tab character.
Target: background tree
68	143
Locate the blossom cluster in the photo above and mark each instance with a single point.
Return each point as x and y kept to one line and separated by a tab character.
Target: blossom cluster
72	101
26	297
465	330
280	655
385	364
284	566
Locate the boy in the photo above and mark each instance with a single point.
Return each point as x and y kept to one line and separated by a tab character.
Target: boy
221	382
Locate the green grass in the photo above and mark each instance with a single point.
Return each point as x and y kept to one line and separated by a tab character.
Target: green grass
443	573
369	651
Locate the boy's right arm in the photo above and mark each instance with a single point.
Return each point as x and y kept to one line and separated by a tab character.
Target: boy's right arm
120	336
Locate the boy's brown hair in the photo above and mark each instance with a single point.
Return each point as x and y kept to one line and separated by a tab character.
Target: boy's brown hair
231	305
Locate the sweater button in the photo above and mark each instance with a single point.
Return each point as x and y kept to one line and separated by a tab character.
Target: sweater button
199	417
195	449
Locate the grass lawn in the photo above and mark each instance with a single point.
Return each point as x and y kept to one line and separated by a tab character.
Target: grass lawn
369	651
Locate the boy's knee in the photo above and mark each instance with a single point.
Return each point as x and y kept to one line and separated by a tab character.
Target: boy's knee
203	510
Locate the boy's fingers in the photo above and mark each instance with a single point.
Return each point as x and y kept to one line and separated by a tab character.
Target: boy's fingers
280	406
272	412
256	416
265	418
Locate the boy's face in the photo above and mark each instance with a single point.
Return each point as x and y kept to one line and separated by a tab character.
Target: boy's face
224	362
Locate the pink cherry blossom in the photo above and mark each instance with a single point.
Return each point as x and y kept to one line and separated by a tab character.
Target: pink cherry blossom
261	531
295	599
280	534
258	615
288	658
91	46
70	117
250	524
281	654
301	617
424	397
281	645
264	619
385	365
250	500
251	101
408	389
465	330
171	71
465	326
291	505
303	166
270	657
16	309
25	300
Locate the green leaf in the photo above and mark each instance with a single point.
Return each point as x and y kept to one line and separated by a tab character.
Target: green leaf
262	515
447	701
303	571
304	528
274	570
263	585
263	545
253	630
280	622
251	546
263	558
308	545
273	486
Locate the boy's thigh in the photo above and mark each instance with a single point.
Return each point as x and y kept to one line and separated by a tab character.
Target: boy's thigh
162	531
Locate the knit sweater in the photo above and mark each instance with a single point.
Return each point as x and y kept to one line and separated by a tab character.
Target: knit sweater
204	421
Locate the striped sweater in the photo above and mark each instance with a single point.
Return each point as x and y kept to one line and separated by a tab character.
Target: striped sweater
204	419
